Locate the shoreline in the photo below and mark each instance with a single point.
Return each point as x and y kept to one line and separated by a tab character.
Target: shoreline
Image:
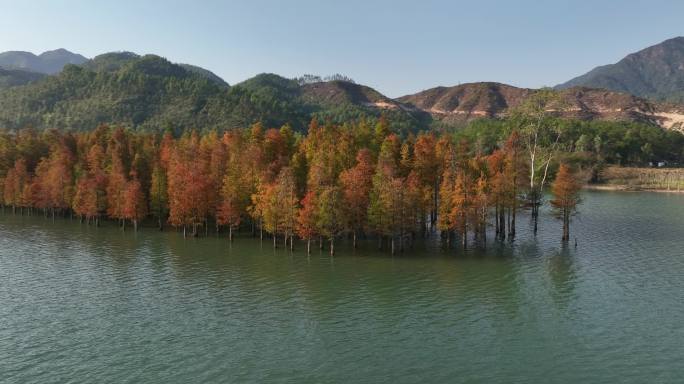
627	188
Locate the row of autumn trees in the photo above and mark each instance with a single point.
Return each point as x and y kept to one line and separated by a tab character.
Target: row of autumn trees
349	180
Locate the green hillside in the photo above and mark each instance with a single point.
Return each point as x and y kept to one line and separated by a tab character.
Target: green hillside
151	93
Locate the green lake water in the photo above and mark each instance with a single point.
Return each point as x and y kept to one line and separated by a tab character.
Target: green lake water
80	304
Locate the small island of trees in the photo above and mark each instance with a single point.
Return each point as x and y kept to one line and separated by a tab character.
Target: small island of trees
338	180
353	179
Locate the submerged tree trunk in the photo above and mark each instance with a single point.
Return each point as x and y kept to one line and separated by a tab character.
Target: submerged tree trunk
566	226
513	210
511	223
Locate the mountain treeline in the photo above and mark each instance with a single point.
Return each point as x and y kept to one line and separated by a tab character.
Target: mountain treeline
148	93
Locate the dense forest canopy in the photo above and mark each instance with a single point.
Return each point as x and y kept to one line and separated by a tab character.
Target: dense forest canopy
351	178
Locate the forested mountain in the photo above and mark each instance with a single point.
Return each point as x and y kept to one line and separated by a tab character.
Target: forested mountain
205	73
114	61
656	72
14	77
146	92
150	93
49	62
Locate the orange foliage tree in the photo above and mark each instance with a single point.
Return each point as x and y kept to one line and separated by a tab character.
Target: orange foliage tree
566	197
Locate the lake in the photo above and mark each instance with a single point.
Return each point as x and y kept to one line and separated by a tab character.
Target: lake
92	305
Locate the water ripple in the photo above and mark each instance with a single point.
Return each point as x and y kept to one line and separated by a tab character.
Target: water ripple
84	304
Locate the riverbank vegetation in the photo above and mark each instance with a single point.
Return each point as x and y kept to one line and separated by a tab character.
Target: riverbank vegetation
641	178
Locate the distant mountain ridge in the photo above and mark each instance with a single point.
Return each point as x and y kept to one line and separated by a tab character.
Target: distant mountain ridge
151	93
656	72
49	62
114	61
462	103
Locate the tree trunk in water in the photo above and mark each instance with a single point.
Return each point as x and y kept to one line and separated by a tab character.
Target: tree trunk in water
512	211
511	224
435	194
401	242
392	245
308	246
332	246
291	243
230	233
135	225
535	213
320	242
497	223
275	239
566	226
354	239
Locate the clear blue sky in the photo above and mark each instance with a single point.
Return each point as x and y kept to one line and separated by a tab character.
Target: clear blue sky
397	47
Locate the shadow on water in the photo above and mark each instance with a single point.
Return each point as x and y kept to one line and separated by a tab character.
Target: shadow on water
563	275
